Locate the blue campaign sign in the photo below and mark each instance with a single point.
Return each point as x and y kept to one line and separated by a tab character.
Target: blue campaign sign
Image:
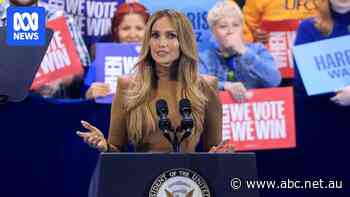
113	60
324	65
25	26
196	11
92	18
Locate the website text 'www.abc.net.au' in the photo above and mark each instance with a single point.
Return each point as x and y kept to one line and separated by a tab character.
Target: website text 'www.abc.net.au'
287	184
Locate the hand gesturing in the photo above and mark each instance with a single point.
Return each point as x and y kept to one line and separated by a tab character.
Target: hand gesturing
94	137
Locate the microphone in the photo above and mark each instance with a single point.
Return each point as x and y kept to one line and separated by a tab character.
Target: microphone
187	121
164	122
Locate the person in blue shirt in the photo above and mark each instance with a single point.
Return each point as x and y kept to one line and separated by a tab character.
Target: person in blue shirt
128	26
237	65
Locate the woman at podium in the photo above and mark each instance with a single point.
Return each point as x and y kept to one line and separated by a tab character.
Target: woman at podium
167	70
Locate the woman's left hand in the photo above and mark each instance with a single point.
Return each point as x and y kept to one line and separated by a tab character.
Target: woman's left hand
225	146
342	97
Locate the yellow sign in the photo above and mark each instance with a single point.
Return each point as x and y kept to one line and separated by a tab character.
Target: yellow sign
2	1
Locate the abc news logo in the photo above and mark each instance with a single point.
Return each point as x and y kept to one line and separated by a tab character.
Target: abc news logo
26	26
33	21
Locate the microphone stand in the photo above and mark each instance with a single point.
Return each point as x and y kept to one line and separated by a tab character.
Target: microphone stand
165	127
164	123
176	144
174	140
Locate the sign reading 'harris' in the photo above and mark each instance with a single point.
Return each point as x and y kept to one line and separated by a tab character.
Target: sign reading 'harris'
25	26
324	65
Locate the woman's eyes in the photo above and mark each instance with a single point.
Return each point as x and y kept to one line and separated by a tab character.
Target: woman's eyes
139	28
125	28
155	35
171	35
128	27
168	35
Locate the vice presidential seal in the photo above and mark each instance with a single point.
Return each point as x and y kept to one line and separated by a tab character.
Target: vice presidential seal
179	183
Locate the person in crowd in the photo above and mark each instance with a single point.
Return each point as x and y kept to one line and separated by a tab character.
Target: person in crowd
335	25
320	118
237	65
128	26
332	20
256	11
68	87
167	69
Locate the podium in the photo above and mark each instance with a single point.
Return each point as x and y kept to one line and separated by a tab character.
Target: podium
175	174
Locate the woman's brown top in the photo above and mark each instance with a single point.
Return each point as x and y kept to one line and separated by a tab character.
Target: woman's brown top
155	141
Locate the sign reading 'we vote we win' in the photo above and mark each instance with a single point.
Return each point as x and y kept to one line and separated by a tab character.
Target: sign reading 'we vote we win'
324	65
92	18
265	121
61	58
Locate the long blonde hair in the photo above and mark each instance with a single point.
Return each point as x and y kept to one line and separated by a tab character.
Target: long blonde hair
144	79
324	22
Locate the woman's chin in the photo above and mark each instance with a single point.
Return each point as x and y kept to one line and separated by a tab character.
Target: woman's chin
164	64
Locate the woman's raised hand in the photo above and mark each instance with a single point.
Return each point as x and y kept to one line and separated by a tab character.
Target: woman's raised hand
93	137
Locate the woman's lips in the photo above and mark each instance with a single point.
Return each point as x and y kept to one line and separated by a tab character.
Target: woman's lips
162	53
